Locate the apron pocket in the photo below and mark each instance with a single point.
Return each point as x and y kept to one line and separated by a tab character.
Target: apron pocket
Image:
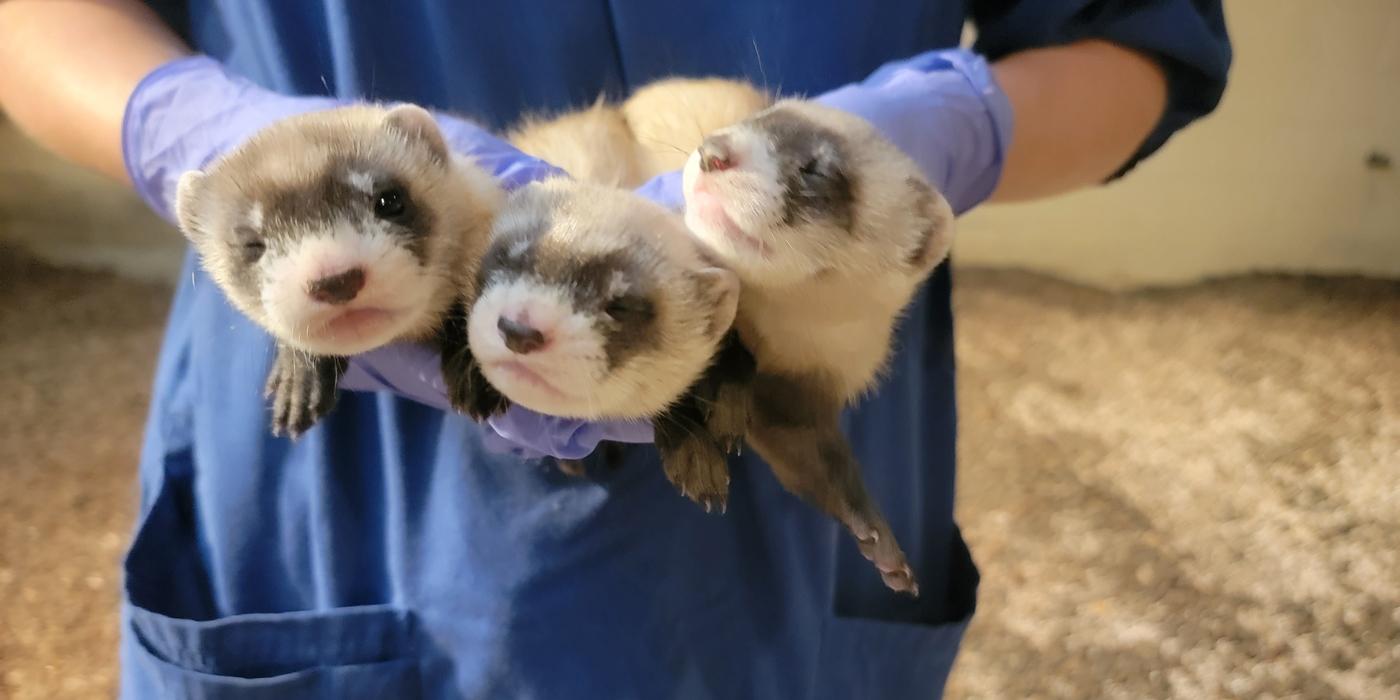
863	657
889	660
156	676
267	645
176	644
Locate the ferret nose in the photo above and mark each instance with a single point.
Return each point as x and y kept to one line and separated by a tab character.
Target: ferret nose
338	289
716	154
522	339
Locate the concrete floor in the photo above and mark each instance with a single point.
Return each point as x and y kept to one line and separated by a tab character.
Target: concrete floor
1173	494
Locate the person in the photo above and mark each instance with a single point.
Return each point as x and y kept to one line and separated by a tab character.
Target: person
397	551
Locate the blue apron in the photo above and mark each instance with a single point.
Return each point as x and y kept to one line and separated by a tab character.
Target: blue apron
386	555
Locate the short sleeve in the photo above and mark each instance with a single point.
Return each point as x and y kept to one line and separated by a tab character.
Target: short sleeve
1187	37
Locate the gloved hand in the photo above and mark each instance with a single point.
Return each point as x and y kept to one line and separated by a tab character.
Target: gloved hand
942	108
945	110
188	112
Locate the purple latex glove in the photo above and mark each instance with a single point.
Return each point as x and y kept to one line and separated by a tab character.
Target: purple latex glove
942	108
945	110
188	112
413	371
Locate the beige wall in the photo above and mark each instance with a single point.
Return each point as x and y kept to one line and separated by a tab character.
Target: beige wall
69	216
1276	179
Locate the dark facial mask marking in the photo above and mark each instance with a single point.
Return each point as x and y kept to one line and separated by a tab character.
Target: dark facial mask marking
631	329
628	331
331	198
817	187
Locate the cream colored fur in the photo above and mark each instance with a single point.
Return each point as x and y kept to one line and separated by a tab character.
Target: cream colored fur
297	151
651	133
669	118
593	144
824	300
577	222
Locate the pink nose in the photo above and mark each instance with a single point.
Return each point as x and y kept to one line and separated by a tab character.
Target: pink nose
521	338
339	288
716	154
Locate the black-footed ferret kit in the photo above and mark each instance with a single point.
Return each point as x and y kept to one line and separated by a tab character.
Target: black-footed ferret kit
594	303
338	232
344	230
831	229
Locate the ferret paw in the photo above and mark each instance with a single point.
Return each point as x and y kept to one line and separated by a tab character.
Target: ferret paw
302	390
468	390
728	420
699	470
484	403
878	544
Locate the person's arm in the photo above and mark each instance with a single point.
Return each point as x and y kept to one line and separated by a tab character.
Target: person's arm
1082	111
105	84
1096	88
67	68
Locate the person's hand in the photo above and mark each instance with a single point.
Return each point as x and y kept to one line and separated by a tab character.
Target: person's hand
190	111
187	113
414	371
942	108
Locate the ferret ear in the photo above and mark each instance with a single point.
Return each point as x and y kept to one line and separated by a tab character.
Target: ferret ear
186	196
936	237
719	291
419	126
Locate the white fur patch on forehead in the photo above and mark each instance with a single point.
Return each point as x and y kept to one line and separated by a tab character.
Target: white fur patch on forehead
618	284
361	181
255	215
518	248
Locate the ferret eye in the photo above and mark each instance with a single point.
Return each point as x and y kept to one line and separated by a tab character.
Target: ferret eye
249	243
628	309
391	203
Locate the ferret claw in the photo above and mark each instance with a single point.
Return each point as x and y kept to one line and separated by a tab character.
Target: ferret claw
467	388
714	504
302	390
888	558
699	471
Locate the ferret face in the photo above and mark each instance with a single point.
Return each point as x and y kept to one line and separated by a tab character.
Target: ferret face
327	229
800	189
594	303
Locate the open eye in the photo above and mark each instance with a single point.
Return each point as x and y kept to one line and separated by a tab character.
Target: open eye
391	203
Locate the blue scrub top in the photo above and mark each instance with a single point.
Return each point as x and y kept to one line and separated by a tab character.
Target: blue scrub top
386	555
